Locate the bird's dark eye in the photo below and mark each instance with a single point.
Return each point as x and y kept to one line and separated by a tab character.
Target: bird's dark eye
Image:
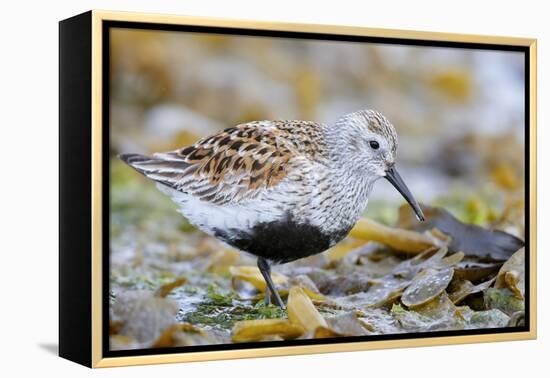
374	144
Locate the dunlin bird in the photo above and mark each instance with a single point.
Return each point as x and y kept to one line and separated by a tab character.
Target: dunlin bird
280	190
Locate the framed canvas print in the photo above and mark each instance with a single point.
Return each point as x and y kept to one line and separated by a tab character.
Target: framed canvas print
234	189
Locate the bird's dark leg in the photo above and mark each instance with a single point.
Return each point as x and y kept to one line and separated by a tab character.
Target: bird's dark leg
267	296
265	269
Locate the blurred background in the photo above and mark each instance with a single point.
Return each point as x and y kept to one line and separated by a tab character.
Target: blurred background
459	114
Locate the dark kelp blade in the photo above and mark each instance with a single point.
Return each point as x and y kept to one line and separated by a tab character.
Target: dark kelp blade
473	240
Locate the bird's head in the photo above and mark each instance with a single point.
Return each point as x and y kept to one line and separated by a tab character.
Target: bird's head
368	143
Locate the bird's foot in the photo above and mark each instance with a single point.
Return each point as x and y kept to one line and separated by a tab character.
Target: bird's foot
279	301
265	269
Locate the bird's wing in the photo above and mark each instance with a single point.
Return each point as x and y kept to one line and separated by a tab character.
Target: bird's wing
237	163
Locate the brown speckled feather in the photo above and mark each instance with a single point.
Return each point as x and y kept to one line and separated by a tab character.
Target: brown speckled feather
238	162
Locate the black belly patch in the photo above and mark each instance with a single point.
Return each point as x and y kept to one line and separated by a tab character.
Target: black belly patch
281	241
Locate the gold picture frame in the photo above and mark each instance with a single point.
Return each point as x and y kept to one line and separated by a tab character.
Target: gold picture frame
87	32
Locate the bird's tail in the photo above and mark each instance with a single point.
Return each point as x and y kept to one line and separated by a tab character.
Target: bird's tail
166	169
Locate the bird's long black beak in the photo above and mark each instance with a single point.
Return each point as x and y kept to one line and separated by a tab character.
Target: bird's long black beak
393	176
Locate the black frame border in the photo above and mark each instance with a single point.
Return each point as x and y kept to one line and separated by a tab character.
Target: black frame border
107	25
75	188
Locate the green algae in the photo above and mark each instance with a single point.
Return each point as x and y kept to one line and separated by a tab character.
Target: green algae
505	300
218	314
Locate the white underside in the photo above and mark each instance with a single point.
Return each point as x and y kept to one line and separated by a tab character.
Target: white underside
210	217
